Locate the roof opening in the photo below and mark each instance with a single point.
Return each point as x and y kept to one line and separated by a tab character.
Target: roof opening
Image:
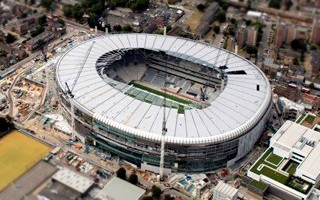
238	72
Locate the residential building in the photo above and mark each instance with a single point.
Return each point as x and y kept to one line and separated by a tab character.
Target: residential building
22	26
315	38
251	36
289	109
223	191
291	164
279	35
241	36
207	19
315	61
290	34
39	40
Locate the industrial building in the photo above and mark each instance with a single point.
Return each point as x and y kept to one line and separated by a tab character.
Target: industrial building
114	190
223	191
216	107
291	165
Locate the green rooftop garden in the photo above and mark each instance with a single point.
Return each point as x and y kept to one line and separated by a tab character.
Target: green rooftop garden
275	159
310	118
291	167
257	184
267	166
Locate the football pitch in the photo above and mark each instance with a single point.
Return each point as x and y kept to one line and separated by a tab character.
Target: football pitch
18	153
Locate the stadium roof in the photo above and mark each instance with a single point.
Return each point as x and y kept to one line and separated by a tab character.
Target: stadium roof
234	112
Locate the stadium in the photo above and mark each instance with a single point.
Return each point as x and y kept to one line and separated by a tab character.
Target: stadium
216	105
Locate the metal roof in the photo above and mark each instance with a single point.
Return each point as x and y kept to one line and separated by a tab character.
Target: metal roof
236	110
118	189
73	180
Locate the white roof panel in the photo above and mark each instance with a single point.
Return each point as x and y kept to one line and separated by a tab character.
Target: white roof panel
238	104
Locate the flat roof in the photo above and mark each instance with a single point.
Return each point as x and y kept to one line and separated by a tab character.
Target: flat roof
236	110
293	135
118	189
226	189
73	180
304	139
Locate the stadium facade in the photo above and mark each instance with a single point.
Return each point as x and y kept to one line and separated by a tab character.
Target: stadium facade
126	120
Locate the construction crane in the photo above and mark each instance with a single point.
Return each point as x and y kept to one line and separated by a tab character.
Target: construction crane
164	122
69	92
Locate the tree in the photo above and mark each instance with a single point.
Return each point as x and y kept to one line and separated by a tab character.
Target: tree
77	12
38	30
5	126
3	53
233	21
296	61
10	38
93	20
221	16
299	45
201	7
251	49
147	198
224	5
67	11
126	28
61	21
168	197
46	4
117	28
133	178
121	173
275	4
156	191
216	29
288	4
139	5
42	20
248	22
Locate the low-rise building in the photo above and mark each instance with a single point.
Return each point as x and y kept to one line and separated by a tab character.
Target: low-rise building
118	189
22	26
315	61
291	164
223	191
39	40
207	19
269	66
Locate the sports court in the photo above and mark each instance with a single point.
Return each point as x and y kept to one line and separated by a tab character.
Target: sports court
18	153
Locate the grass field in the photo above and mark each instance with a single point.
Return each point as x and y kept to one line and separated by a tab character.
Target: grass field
160	93
18	153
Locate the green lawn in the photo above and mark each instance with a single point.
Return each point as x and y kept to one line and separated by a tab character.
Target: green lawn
259	185
310	119
157	92
273	174
291	167
275	159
